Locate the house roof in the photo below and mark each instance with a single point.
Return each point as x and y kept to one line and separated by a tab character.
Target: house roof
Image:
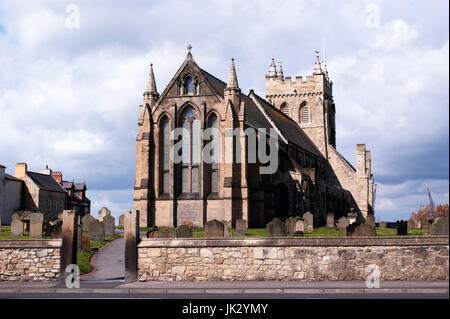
80	186
46	182
12	178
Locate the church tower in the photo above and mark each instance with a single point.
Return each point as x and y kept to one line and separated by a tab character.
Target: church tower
308	101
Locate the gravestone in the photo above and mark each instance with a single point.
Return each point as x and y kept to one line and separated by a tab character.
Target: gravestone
269	229
370	220
278	228
188	223
183	231
402	228
308	218
241	227
96	230
214	228
289	225
79	235
55	228
439	227
36	220
352	216
151	232
412	224
361	230
165	233
85	242
103	212
330	220
227	229
299	225
121	220
343	223
85	222
383	225
109	222
16	225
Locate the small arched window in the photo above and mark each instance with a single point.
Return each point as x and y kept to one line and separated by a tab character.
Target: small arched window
285	108
304	113
188	85
214	166
165	155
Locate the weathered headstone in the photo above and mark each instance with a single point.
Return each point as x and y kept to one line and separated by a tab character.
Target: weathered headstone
183	231
289	226
79	235
96	230
352	216
361	230
241	227
370	219
308	218
214	228
109	222
55	228
36	220
383	224
121	220
343	223
164	233
188	223
299	225
439	227
278	229
16	225
402	227
85	221
412	224
269	229
330	220
227	229
103	212
85	242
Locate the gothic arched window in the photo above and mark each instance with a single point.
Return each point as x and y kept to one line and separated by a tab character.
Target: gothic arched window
165	155
285	109
304	113
213	166
190	152
188	85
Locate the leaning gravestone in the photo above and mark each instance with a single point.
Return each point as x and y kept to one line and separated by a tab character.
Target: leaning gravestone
214	228
412	224
109	222
183	231
309	222
121	220
439	227
370	219
330	221
36	221
241	227
16	225
96	230
85	221
103	212
278	228
361	230
342	223
402	227
227	229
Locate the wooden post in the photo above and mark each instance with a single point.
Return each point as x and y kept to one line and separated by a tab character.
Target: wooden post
132	238
69	241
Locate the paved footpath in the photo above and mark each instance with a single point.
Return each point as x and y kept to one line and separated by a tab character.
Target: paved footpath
108	262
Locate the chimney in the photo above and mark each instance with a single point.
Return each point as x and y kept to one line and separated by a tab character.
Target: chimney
21	170
57	176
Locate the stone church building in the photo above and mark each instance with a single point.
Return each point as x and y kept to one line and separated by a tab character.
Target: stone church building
311	174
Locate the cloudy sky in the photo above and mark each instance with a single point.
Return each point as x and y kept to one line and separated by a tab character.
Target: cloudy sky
72	76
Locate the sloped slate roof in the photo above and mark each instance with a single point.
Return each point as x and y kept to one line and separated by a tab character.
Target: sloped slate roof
288	127
46	182
12	178
218	85
79	186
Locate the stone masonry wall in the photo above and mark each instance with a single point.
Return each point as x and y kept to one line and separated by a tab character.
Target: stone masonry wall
30	260
303	259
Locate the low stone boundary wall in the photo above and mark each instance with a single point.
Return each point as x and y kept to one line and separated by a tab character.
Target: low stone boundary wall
307	259
30	259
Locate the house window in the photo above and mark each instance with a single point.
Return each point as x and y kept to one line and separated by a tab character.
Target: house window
165	155
304	113
49	204
190	152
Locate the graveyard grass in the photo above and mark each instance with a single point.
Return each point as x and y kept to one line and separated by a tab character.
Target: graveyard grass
84	256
